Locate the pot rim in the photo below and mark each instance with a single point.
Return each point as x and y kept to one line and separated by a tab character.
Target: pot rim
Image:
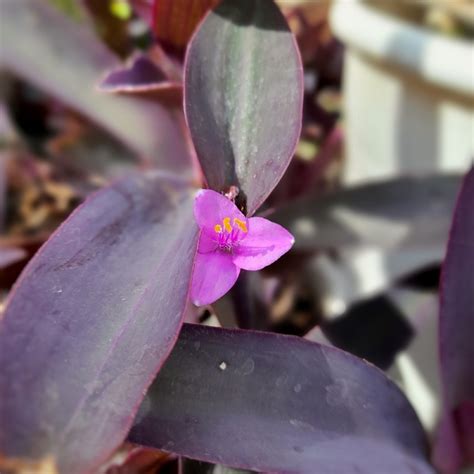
443	61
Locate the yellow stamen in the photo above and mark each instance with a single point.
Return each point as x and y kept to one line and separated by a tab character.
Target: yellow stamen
240	224
227	225
218	228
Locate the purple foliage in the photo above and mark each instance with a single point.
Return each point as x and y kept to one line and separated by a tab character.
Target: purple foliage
93	350
455	446
91	320
243	109
277	403
55	63
375	214
141	76
141	73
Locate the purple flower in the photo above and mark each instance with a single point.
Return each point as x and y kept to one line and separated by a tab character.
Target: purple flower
228	243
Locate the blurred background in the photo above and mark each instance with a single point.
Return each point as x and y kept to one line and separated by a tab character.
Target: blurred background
91	90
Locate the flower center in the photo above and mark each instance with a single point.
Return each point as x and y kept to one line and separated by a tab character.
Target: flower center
228	235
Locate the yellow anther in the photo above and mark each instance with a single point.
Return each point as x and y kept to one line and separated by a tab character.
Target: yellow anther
240	224
227	225
218	228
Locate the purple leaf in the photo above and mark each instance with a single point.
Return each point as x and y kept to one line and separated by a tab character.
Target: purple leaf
92	319
401	225
142	76
243	96
455	445
66	60
400	213
277	403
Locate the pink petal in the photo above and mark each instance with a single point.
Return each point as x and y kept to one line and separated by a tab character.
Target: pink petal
210	208
207	244
214	275
264	243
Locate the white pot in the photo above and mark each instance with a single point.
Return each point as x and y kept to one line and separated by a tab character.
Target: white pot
409	95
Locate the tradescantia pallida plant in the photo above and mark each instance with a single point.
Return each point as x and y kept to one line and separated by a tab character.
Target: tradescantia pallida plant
99	309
